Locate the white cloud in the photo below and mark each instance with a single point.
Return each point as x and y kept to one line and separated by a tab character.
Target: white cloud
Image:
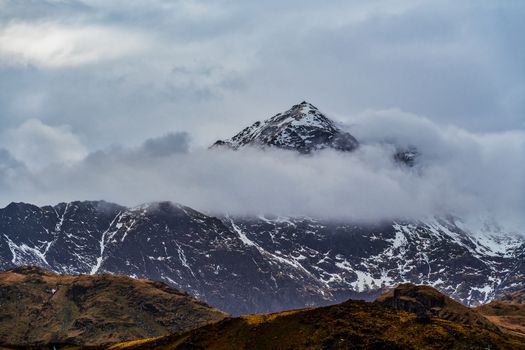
54	45
125	70
467	174
38	145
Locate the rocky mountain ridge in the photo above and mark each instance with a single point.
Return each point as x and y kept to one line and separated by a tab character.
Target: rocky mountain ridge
261	264
302	128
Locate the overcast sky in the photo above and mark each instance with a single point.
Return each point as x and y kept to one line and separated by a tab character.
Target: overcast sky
88	81
121	71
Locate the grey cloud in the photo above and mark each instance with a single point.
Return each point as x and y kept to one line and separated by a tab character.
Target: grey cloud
427	60
467	174
168	144
7	161
13	173
38	144
171	144
237	62
447	75
40	9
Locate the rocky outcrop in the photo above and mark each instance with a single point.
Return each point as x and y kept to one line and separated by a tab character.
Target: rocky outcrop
426	302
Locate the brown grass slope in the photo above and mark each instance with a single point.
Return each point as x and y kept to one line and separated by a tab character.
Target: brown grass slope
351	325
38	307
507	313
426	302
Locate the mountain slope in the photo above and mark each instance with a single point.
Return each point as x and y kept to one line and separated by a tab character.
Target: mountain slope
472	267
39	307
350	325
507	312
261	264
427	302
63	238
302	128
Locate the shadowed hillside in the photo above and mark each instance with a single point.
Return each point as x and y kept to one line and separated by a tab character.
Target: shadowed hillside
427	302
39	307
350	325
46	310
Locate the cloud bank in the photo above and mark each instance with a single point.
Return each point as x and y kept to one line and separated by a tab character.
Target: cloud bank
457	172
83	82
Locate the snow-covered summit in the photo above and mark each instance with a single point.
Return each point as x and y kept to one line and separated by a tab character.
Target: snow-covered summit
302	128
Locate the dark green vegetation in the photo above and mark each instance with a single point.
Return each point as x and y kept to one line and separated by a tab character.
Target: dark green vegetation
38	307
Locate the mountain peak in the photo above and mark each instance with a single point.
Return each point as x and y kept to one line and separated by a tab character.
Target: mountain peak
302	128
305	106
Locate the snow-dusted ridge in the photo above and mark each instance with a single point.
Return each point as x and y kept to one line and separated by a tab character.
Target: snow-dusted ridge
262	264
265	264
302	128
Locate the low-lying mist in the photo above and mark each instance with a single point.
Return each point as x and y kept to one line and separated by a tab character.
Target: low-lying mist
456	172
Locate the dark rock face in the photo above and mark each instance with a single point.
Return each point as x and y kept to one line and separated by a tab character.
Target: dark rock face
260	264
203	256
302	128
407	156
49	236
